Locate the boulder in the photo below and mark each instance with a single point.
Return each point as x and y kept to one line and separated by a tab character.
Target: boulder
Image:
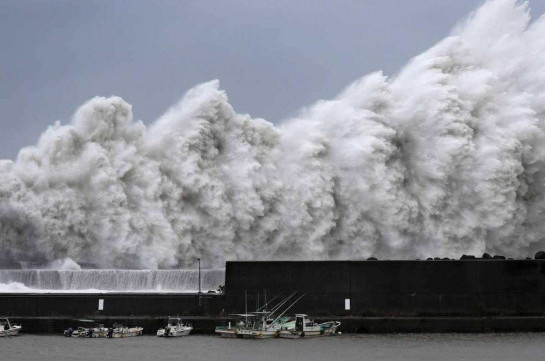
487	256
467	256
540	255
498	257
372	259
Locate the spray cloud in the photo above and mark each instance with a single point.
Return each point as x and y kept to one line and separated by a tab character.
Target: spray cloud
446	157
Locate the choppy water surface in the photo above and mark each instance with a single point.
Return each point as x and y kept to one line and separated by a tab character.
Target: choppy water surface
418	347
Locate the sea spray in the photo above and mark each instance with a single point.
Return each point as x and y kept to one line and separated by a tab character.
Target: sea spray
447	157
109	280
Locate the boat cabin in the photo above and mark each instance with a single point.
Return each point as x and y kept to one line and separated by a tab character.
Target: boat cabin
303	323
4	324
173	321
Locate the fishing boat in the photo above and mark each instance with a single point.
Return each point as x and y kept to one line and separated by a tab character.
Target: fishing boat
261	324
261	327
120	331
90	329
87	328
8	329
226	331
78	332
305	327
264	325
230	330
175	328
99	331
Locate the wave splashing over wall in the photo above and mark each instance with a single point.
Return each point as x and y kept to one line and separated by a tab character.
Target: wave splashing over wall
445	158
108	280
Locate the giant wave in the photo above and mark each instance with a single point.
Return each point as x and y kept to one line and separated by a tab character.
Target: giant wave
444	158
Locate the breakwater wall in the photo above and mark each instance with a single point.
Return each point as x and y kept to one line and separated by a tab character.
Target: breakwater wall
383	296
395	288
81	305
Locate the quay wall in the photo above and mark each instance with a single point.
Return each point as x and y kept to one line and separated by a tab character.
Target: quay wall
385	296
394	288
80	305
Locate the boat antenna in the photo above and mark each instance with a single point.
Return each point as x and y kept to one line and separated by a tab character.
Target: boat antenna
290	306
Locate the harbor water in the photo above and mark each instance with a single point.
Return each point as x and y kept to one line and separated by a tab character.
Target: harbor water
408	347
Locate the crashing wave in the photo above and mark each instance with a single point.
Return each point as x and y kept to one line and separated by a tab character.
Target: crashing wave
445	158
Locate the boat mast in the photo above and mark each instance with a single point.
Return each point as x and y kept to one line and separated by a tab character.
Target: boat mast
246	306
267	303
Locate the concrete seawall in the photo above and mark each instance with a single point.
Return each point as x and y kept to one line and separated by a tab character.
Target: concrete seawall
396	288
83	305
384	296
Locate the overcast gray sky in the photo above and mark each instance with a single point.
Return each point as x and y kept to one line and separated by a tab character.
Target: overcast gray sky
272	56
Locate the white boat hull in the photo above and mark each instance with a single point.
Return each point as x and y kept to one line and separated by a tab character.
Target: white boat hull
299	334
9	333
12	331
174	333
227	333
101	333
257	334
127	332
325	329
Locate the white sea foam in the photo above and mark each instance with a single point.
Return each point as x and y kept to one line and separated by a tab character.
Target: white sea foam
110	280
444	158
64	264
14	287
17	287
